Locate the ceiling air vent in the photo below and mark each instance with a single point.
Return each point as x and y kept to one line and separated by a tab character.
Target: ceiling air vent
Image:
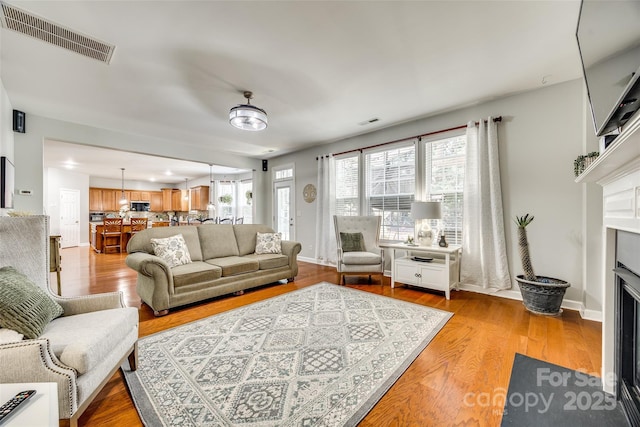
50	32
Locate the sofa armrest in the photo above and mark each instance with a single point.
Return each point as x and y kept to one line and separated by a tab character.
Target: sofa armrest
149	265
32	361
291	249
89	303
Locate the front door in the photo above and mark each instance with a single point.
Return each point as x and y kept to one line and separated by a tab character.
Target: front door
70	218
283	205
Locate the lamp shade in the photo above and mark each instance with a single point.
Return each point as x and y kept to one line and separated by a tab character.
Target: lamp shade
426	210
248	117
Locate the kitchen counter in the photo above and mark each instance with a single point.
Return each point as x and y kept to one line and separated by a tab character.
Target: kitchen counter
96	227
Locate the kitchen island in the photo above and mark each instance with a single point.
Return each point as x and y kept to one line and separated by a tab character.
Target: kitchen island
95	234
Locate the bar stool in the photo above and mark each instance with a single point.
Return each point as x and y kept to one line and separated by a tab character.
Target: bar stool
112	234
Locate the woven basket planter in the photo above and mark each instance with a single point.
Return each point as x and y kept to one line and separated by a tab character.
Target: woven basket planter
543	296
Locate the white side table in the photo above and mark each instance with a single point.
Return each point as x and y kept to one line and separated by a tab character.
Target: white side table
442	274
39	411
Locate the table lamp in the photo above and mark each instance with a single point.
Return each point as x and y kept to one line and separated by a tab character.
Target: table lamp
422	212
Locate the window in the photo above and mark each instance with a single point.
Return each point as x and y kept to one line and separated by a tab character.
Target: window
444	181
226	200
245	200
347	186
283	172
390	189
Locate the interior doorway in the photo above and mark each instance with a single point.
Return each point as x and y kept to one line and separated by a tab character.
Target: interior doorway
69	218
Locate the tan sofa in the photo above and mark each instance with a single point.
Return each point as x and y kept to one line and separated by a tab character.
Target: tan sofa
223	262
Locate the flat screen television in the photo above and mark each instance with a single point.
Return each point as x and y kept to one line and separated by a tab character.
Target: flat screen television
608	37
7	180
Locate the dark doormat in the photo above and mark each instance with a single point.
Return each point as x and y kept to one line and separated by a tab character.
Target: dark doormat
542	394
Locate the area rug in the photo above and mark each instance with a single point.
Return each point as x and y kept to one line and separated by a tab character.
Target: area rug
542	394
318	356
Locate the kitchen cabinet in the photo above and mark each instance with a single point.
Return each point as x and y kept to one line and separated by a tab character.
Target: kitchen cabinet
167	199
110	200
140	196
200	197
95	200
180	200
156	201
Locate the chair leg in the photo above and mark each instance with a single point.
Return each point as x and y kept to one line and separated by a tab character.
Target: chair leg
343	280
369	278
133	357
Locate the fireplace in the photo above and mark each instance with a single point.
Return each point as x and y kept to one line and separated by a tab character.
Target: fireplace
627	318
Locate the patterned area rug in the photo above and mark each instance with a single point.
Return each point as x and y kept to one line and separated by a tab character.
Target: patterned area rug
318	356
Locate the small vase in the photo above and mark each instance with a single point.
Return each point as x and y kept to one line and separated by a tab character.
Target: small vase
443	243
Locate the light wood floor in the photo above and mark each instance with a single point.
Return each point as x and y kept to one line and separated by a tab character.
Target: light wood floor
472	355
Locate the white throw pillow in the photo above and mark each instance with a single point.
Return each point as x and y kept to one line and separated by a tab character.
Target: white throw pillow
268	243
8	336
173	250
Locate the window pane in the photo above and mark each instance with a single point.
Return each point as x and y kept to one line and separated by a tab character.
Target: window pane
444	181
246	199
283	174
390	189
347	192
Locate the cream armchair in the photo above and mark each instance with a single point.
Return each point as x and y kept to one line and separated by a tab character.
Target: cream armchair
82	349
369	258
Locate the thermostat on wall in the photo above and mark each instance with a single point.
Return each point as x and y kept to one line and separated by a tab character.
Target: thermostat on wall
25	192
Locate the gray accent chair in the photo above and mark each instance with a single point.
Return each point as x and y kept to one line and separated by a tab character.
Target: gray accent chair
82	349
368	262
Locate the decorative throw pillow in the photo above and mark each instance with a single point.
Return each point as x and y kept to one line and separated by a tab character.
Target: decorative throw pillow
352	242
24	307
173	250
269	243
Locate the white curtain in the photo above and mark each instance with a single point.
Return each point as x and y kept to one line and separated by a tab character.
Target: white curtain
484	253
325	209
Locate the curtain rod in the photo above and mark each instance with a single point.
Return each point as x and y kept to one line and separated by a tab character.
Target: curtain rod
495	119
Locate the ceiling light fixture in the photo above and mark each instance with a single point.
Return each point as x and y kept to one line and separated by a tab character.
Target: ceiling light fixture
186	189
123	198
247	116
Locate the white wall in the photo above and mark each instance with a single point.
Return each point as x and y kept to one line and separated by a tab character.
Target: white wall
29	154
6	128
541	134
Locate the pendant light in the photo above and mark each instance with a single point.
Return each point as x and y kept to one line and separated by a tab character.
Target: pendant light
211	206
123	198
186	189
247	116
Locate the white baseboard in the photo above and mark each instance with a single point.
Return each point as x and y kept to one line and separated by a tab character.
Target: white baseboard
513	294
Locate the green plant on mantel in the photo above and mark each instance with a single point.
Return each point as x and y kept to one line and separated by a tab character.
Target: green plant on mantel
583	162
226	199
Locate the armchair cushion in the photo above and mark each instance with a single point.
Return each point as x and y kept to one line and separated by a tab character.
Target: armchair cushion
82	341
173	250
352	242
9	336
25	307
361	258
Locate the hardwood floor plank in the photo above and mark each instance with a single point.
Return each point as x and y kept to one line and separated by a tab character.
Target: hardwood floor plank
455	381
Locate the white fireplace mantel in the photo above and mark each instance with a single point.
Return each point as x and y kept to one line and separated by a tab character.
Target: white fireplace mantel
617	170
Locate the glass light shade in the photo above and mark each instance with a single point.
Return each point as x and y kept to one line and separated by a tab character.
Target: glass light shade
248	117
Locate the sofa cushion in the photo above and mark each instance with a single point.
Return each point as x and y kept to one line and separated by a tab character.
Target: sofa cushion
233	265
269	261
173	250
246	236
268	243
361	258
25	307
141	241
217	241
82	341
196	272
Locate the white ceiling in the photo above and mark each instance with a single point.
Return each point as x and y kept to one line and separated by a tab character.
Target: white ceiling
319	69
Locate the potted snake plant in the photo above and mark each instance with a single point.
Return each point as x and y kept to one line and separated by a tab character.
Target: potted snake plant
540	294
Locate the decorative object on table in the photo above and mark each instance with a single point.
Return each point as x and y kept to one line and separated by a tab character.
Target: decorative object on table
540	295
410	241
321	355
422	212
309	193
583	162
443	241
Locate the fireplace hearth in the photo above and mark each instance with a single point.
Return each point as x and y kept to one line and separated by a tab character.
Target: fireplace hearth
627	318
